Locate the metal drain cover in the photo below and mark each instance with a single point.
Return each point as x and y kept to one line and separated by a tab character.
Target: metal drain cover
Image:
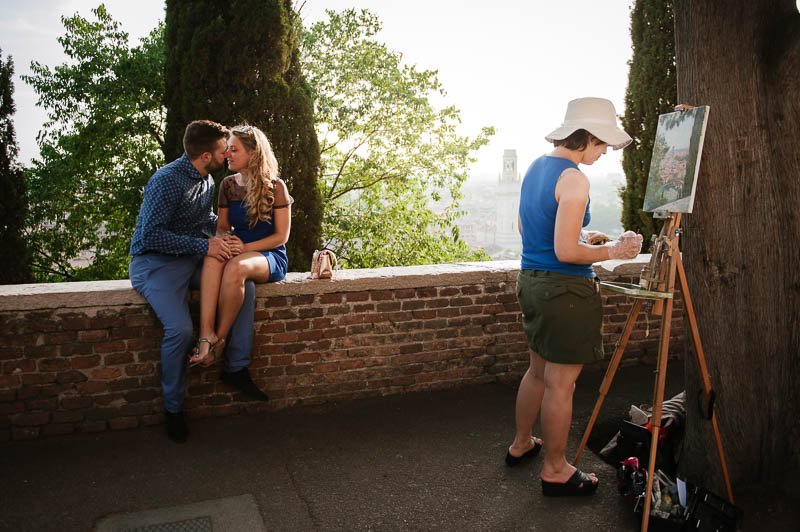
231	514
201	524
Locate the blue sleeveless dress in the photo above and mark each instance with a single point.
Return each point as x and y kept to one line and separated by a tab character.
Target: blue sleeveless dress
231	196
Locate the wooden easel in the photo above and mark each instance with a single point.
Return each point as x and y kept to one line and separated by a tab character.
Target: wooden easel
657	289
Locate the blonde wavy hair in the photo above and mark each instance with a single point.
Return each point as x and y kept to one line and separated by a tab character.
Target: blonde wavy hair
263	171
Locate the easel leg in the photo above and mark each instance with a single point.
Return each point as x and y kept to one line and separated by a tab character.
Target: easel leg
701	364
658	400
610	371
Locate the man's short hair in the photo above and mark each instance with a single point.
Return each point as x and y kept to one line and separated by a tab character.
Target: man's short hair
578	140
201	136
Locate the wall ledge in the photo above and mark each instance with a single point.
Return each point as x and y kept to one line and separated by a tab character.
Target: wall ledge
116	293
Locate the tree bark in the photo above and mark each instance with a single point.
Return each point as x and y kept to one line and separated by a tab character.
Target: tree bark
740	243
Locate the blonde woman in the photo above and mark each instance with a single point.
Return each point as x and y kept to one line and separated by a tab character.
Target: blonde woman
255	219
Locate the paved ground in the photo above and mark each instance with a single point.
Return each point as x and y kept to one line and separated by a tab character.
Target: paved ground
426	461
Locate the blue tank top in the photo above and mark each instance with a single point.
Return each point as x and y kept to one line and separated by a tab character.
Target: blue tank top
537	213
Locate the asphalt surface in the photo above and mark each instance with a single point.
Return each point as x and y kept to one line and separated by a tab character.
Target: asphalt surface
423	461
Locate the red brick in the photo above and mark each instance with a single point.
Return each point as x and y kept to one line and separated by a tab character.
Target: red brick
313	312
299	301
92	336
284	338
351	364
389	306
426	292
64	337
139	320
76	349
25	366
298	370
307	336
149	355
139	344
272	327
72	376
58	429
106	322
475	309
471	290
6	396
448	291
20	340
106	373
92	387
424	314
11	408
274	302
303	358
54	364
110	347
31	419
280	360
76	403
117	359
75	323
326	367
337	309
357	296
24	433
327	299
139	369
297	325
125	333
10	381
43	351
381	295
122	423
11	353
92	426
283	314
85	362
42	404
366	307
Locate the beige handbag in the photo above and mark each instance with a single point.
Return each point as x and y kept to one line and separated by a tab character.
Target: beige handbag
322	264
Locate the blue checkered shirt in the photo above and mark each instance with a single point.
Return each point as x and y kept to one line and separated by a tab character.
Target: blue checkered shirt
176	217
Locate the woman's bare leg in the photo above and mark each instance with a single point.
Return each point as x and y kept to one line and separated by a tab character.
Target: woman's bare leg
529	401
210	279
556	418
250	265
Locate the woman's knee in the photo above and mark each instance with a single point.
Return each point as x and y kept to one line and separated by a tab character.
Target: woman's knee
234	272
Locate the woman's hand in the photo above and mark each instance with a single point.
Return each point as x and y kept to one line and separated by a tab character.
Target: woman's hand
235	244
595	238
627	246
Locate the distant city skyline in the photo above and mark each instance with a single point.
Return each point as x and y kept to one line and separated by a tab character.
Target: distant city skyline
513	67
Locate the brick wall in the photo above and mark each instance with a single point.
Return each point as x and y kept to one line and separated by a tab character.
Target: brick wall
84	357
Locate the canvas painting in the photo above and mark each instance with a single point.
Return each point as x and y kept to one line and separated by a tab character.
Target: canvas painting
672	180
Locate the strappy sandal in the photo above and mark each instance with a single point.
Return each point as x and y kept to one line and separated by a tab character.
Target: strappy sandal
578	484
212	352
512	460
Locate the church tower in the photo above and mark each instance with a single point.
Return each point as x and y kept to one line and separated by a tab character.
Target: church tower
506	233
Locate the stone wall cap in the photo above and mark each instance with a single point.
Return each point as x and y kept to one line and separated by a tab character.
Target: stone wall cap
116	293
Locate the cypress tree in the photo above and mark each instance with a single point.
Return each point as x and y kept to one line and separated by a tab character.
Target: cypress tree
14	255
652	90
238	61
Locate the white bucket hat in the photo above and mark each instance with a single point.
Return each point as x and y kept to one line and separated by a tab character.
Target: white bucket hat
595	115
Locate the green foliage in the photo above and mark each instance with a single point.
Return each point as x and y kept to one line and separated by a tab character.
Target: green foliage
237	61
652	90
14	255
386	151
102	141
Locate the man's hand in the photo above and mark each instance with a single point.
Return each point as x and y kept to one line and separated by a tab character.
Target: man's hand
219	249
236	245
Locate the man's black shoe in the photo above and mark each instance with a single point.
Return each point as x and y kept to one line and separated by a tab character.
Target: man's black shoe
241	380
176	426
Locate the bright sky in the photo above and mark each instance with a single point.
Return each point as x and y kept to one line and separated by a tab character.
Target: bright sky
511	64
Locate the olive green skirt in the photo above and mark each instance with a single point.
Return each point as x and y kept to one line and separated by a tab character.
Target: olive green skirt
562	316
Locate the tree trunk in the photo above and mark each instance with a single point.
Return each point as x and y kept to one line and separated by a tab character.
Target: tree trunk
740	249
